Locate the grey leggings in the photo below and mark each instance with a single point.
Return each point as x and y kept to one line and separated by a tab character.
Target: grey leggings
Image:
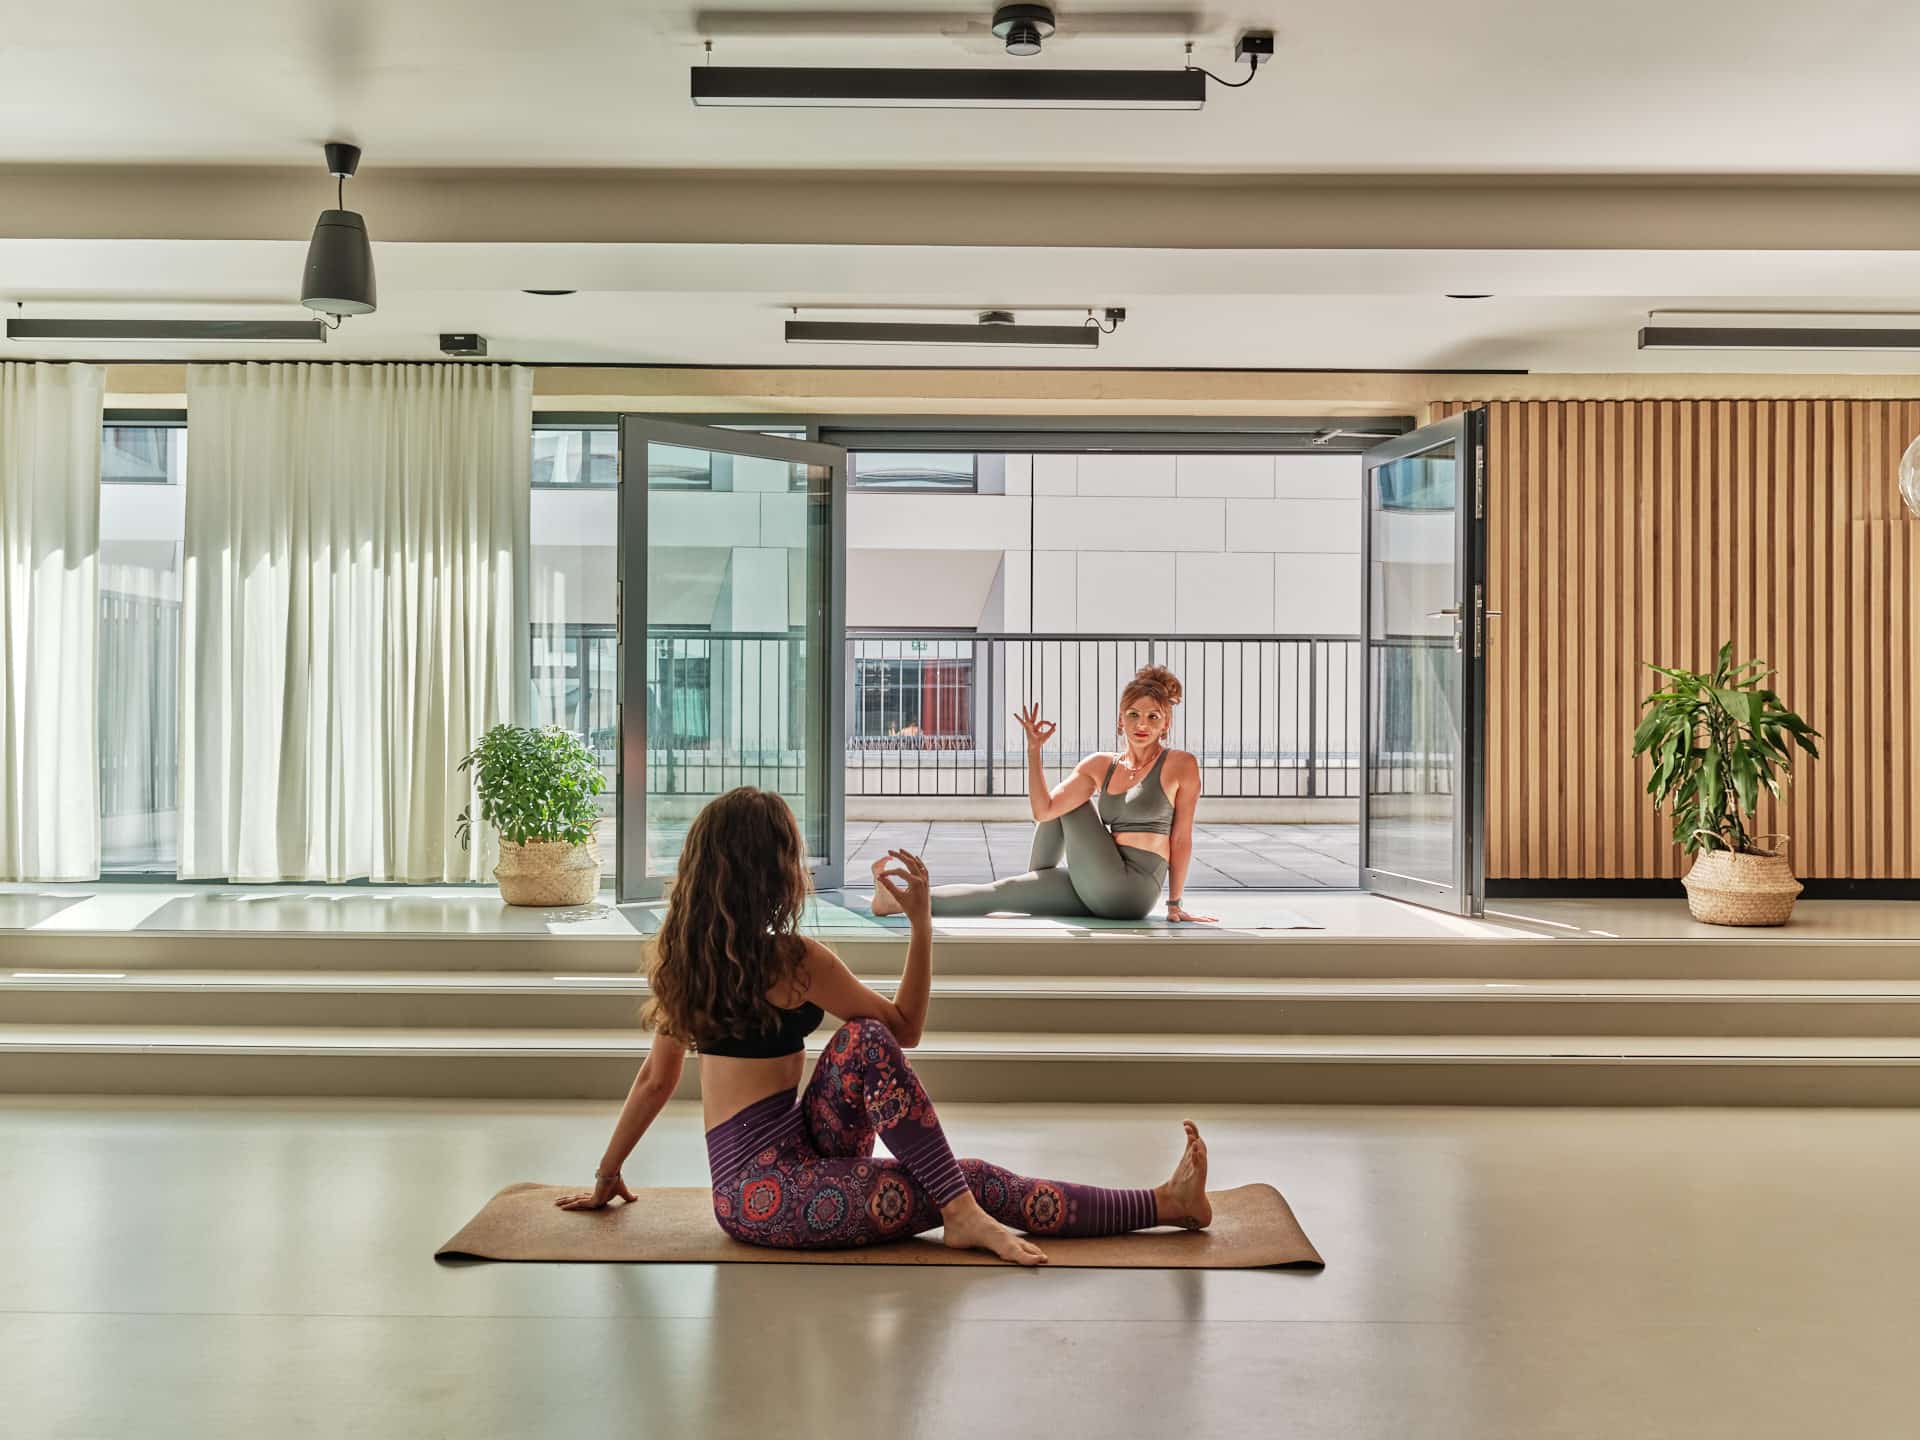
1101	877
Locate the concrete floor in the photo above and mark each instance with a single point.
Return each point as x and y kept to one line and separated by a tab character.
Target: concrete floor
1225	857
213	1269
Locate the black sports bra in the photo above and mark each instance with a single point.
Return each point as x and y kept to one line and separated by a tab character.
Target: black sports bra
788	1039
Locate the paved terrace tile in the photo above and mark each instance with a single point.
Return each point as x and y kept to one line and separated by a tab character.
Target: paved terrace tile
1225	857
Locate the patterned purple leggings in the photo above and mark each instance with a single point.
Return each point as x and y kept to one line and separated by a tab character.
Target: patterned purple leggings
796	1172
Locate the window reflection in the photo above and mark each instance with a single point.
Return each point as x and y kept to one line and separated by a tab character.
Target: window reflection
930	471
142	526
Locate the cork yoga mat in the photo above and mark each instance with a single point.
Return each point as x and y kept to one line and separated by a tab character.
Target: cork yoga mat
1253	1227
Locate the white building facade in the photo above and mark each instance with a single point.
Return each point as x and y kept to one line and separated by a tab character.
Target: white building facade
1052	577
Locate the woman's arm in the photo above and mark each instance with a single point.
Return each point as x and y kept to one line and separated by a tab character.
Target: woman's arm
658	1078
1072	792
839	992
1185	774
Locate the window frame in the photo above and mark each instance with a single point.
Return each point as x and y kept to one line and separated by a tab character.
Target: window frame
128	419
582	423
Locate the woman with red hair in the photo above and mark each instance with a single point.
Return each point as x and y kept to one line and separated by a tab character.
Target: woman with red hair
1109	836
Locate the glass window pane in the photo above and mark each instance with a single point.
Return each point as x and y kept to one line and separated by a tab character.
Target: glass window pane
142	454
736	650
911	704
572	590
670	467
142	525
568	455
1410	812
878	471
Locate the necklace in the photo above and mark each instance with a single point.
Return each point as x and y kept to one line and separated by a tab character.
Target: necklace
1133	771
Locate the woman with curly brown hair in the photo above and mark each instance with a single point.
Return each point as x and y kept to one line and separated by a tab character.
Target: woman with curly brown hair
1120	843
733	979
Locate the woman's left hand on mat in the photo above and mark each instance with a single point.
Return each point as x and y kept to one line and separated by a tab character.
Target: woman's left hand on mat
604	1192
1178	914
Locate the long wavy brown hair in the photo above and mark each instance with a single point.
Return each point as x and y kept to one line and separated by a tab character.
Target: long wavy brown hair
732	929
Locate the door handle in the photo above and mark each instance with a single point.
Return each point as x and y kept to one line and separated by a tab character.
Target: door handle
1453	610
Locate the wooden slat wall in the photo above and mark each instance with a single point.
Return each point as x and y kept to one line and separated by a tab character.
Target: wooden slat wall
1627	531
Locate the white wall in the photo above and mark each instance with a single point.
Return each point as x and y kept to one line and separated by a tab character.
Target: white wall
1187	544
1190	544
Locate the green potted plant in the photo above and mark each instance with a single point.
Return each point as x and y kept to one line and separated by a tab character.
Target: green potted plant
1716	741
537	787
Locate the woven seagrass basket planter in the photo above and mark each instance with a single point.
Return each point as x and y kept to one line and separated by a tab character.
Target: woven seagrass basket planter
1728	888
548	873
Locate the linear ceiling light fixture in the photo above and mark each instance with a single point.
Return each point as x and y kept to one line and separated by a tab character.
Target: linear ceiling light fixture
1778	337
313	332
871	87
994	327
339	276
1023	28
1778	331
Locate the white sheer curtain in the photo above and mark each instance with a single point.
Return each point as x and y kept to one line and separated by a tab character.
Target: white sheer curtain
49	621
354	614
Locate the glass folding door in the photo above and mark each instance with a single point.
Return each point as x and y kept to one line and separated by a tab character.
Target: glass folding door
1424	629
730	637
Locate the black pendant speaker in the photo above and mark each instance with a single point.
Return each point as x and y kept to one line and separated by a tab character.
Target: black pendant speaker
339	273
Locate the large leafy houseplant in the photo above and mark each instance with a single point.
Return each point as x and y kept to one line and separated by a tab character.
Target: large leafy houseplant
538	788
1717	740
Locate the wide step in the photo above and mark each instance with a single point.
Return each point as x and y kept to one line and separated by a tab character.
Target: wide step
1061	1004
1088	1067
1292	954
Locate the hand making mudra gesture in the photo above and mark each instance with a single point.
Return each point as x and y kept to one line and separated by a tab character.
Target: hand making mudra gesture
1038	731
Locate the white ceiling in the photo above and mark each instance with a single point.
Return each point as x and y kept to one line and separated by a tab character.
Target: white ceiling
718	305
1403	86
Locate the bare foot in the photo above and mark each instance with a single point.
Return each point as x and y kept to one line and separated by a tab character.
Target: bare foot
968	1227
883	901
1183	1200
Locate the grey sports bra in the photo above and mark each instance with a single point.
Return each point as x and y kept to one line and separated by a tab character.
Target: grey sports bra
1144	808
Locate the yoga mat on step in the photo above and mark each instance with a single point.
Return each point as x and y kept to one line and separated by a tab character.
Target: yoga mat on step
1253	1227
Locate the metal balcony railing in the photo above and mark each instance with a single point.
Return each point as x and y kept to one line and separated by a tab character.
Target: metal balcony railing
930	712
